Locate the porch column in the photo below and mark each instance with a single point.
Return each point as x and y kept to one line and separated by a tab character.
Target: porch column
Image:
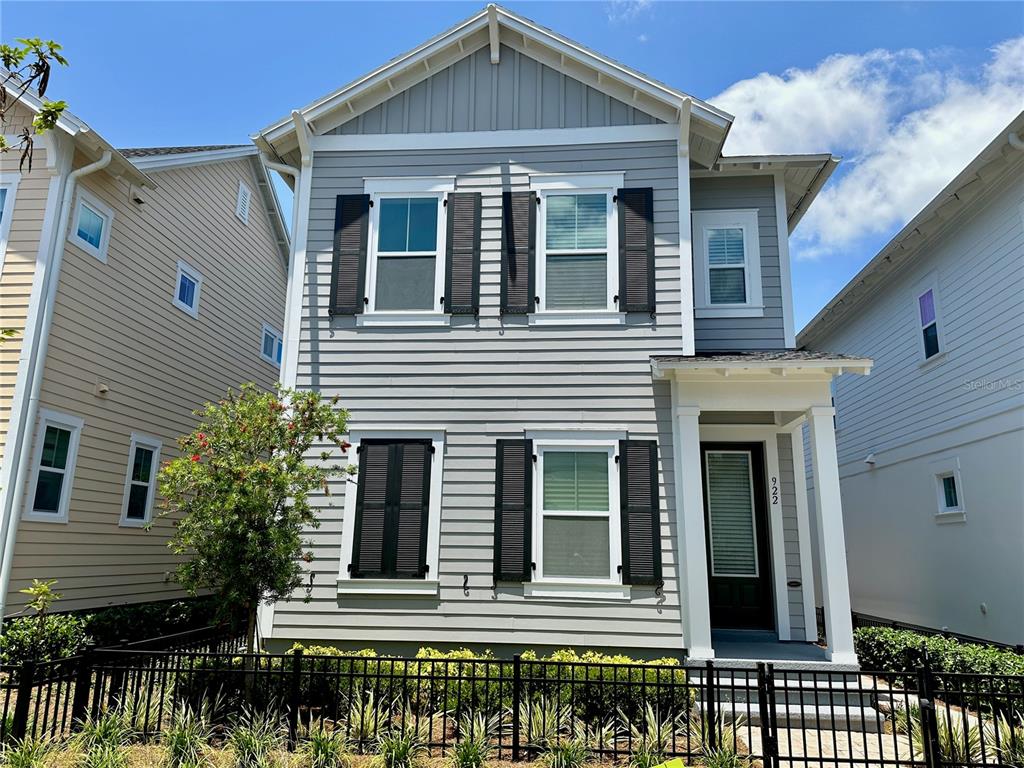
692	564
835	584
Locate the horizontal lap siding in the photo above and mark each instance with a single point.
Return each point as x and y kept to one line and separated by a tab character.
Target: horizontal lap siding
745	333
115	323
791	537
484	380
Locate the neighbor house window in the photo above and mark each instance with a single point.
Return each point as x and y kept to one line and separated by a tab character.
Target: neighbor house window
8	188
272	345
577	268
140	483
949	491
727	264
54	466
90	228
577	534
928	319
243	203
188	284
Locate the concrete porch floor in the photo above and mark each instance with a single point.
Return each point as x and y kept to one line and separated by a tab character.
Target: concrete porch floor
744	648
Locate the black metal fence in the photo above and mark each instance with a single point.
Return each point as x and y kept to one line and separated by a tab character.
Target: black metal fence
772	716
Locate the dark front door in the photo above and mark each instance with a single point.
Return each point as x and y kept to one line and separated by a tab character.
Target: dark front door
736	520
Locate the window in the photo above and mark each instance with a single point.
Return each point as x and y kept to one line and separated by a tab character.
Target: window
577	498
8	188
391	527
271	346
928	322
406	264
188	285
90	229
949	494
243	202
727	264
54	466
140	482
577	268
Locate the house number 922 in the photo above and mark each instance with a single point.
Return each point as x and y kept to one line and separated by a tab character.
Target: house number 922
775	491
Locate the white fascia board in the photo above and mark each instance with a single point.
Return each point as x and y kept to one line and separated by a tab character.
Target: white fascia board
164	162
480	139
774	367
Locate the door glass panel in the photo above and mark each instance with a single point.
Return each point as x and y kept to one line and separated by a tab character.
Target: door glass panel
731	514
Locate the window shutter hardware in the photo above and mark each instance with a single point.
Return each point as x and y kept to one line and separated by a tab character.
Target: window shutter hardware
615	298
465	584
366	300
536	299
533	566
371	202
534	457
615	198
348	568
659	588
616	458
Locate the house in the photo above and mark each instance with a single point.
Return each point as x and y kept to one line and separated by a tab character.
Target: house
561	321
142	283
931	446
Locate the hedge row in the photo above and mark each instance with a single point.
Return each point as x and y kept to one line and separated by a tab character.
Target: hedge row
900	650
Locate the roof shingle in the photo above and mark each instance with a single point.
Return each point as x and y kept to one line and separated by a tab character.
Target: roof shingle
154	151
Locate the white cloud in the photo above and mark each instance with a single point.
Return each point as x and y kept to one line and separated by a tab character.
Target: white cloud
621	11
906	123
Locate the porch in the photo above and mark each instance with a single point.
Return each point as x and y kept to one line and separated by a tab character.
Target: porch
746	528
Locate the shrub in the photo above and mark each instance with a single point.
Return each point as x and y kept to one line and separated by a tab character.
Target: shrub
473	746
901	650
1010	738
256	740
26	753
186	740
109	729
402	745
367	718
325	748
23	639
544	721
572	753
105	756
723	757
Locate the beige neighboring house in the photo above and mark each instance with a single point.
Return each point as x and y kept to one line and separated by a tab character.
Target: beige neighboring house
142	283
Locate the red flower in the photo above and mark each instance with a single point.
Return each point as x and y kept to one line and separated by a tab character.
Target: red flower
201	436
345	445
196	457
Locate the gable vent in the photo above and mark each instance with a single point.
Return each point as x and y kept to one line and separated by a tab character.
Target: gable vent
243	202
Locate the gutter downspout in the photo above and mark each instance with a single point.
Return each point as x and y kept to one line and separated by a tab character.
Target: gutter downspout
296	275
12	510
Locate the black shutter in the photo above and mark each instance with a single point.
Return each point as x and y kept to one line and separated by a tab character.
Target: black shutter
638	489
462	255
348	270
636	249
392	507
518	246
513	493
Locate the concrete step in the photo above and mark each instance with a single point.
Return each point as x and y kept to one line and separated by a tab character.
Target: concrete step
806	716
836	691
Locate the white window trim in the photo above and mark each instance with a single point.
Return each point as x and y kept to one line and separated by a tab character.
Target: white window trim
243	190
105	212
74	424
929	283
153	444
946	467
607	184
429	587
385	187
753	515
8	181
560	586
278	340
746	219
194	274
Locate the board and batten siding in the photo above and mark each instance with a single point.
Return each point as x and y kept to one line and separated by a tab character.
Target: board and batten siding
744	333
474	95
482	380
115	324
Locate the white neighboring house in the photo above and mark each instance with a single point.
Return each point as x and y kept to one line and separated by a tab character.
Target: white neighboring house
931	445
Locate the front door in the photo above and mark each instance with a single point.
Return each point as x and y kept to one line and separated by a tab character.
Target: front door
736	520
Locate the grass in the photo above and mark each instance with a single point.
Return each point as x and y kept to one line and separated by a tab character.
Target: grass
325	748
256	740
187	740
26	753
571	753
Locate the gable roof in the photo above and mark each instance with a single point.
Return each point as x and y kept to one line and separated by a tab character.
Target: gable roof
991	164
494	26
155	151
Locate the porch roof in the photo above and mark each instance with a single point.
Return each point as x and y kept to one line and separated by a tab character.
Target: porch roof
763	361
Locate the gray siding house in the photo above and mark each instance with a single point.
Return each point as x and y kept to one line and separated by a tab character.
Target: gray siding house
561	321
931	446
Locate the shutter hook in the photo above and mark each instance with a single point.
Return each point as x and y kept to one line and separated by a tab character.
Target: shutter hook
465	584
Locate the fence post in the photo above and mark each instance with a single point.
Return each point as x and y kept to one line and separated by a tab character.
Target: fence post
517	682
83	687
295	699
929	725
710	705
26	681
766	710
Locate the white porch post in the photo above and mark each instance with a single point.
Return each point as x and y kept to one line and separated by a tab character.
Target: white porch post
692	561
835	585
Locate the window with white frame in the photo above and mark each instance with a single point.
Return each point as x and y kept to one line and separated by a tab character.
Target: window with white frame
577	242
271	345
577	502
927	307
187	286
243	203
407	235
727	269
56	452
90	227
140	481
8	189
949	495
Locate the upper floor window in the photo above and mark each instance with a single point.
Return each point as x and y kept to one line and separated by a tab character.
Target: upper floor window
243	202
577	253
90	228
928	322
727	264
140	482
188	284
272	345
54	466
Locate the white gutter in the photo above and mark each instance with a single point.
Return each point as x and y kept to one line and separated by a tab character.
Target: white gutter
37	360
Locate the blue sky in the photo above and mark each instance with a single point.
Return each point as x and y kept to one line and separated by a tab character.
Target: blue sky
906	92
